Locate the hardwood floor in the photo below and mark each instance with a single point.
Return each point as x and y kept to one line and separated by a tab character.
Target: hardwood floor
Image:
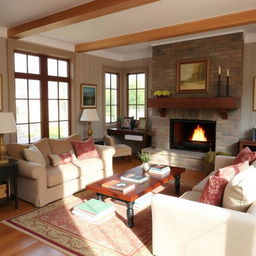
15	243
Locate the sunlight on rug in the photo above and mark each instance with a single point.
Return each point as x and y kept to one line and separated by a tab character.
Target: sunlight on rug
55	225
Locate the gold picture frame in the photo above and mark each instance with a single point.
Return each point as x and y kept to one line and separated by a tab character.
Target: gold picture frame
142	124
1	94
88	96
192	76
254	95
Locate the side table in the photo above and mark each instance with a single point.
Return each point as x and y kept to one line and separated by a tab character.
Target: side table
8	172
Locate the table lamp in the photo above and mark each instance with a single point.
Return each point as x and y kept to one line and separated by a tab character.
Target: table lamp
7	125
89	115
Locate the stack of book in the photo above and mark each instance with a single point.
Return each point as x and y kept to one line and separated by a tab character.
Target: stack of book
159	169
94	211
118	185
143	201
133	177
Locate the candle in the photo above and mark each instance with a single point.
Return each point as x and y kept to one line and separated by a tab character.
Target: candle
228	72
219	70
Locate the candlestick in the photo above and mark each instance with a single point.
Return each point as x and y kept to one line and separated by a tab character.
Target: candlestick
219	70
218	86
227	86
227	72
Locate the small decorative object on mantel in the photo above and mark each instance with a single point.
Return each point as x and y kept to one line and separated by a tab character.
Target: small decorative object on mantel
219	83
227	86
162	93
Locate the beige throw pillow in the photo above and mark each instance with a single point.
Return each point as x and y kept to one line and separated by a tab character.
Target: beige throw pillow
33	154
240	192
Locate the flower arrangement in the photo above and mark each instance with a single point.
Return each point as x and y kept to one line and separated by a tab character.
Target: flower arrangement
163	93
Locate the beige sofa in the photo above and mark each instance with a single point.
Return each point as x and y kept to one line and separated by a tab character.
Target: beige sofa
184	227
40	185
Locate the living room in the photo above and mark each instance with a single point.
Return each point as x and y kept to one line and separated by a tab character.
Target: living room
226	45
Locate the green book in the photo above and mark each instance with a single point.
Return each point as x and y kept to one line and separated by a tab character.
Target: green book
94	207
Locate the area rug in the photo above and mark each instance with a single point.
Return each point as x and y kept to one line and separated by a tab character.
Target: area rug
56	226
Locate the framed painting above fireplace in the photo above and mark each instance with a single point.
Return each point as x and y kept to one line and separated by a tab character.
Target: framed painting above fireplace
192	76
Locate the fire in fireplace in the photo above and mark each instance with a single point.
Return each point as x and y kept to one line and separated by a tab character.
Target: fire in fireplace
199	135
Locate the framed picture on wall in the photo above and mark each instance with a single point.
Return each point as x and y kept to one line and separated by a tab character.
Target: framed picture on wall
88	96
1	94
254	95
192	76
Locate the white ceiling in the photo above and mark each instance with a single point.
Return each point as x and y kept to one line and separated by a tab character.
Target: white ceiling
155	15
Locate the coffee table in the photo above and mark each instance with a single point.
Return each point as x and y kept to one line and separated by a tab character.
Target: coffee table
154	181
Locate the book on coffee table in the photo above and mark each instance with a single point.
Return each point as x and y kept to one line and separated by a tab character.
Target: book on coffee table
118	185
133	177
94	210
161	169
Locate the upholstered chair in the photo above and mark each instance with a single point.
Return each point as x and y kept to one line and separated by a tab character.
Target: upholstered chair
122	150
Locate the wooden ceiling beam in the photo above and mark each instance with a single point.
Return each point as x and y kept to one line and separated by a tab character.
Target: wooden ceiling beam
220	22
96	8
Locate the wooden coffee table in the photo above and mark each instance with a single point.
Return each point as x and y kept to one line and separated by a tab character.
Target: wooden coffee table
154	181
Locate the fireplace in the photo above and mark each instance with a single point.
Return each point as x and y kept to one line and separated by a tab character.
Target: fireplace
198	135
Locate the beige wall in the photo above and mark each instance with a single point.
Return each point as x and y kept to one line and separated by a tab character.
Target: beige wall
248	118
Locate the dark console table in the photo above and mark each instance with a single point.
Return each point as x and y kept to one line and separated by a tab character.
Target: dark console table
140	137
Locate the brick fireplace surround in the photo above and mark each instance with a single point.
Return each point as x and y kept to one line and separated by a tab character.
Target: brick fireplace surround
225	51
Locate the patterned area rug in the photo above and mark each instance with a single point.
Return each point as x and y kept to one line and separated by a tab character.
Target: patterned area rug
55	225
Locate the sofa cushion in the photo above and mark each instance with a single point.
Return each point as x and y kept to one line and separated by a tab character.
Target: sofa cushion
245	155
33	154
213	191
62	173
59	146
191	195
89	166
229	172
240	192
85	149
62	158
44	148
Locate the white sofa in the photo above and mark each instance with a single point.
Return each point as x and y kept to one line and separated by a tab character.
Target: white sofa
184	227
40	185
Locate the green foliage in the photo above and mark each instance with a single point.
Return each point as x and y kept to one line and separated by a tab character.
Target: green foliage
144	157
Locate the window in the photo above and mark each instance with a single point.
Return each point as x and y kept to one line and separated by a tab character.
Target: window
111	97
42	86
136	95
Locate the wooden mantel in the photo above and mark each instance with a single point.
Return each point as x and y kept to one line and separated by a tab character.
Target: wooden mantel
221	104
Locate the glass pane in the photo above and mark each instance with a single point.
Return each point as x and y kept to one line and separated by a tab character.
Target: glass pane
33	64
107	114
52	90
52	67
21	111
64	129
132	111
22	133
63	90
131	81
140	111
113	81
35	132
34	111
107	96
114	97
63	68
20	62
53	110
132	97
63	109
53	130
21	88
107	80
141	96
141	80
34	89
113	113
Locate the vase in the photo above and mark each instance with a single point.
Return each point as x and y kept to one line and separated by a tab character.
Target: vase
145	167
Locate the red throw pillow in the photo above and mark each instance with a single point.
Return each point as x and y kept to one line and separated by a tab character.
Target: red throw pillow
85	149
63	158
244	155
213	191
229	172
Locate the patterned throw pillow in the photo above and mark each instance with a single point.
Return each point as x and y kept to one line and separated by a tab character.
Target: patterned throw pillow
229	172
85	149
213	191
63	158
244	155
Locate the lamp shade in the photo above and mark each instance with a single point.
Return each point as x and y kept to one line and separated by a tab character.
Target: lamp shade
89	115
7	123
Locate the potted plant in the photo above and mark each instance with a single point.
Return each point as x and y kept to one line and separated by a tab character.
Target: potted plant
145	158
